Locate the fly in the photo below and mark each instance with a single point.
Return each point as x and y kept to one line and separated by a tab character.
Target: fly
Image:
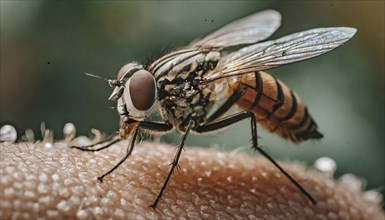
183	85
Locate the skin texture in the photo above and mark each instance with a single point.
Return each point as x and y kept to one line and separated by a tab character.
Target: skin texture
56	182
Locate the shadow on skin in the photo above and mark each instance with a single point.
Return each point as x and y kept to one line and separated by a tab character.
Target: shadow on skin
60	182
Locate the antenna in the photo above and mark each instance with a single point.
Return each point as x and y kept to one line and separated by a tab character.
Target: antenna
110	82
96	76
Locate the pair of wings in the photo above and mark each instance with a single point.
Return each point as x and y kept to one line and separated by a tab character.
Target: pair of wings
268	54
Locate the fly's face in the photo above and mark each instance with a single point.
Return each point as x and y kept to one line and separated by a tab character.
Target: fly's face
135	92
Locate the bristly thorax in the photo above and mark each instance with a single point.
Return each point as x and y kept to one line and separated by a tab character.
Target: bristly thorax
181	95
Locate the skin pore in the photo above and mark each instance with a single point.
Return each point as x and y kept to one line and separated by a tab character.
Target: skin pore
57	182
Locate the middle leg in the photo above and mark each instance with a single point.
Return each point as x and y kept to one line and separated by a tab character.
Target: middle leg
173	165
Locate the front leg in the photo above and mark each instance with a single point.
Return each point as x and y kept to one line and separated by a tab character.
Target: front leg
128	153
112	139
150	126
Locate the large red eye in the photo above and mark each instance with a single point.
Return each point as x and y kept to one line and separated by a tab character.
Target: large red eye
142	90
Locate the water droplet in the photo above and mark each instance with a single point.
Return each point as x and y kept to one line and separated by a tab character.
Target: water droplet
207	173
351	181
29	135
8	133
373	196
82	214
82	140
326	165
69	129
48	145
63	206
55	177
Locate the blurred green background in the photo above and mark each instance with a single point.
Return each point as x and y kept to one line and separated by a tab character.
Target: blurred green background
47	46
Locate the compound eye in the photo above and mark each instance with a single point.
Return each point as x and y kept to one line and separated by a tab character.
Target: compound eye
142	90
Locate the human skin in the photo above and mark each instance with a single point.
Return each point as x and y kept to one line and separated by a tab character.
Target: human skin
57	182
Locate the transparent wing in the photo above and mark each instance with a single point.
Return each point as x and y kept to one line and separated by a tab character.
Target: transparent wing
285	50
247	30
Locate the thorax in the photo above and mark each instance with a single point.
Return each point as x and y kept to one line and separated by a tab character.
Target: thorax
181	95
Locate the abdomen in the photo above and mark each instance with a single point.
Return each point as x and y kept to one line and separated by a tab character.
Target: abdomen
279	110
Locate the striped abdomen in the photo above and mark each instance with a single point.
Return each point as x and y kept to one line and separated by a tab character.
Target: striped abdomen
278	109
